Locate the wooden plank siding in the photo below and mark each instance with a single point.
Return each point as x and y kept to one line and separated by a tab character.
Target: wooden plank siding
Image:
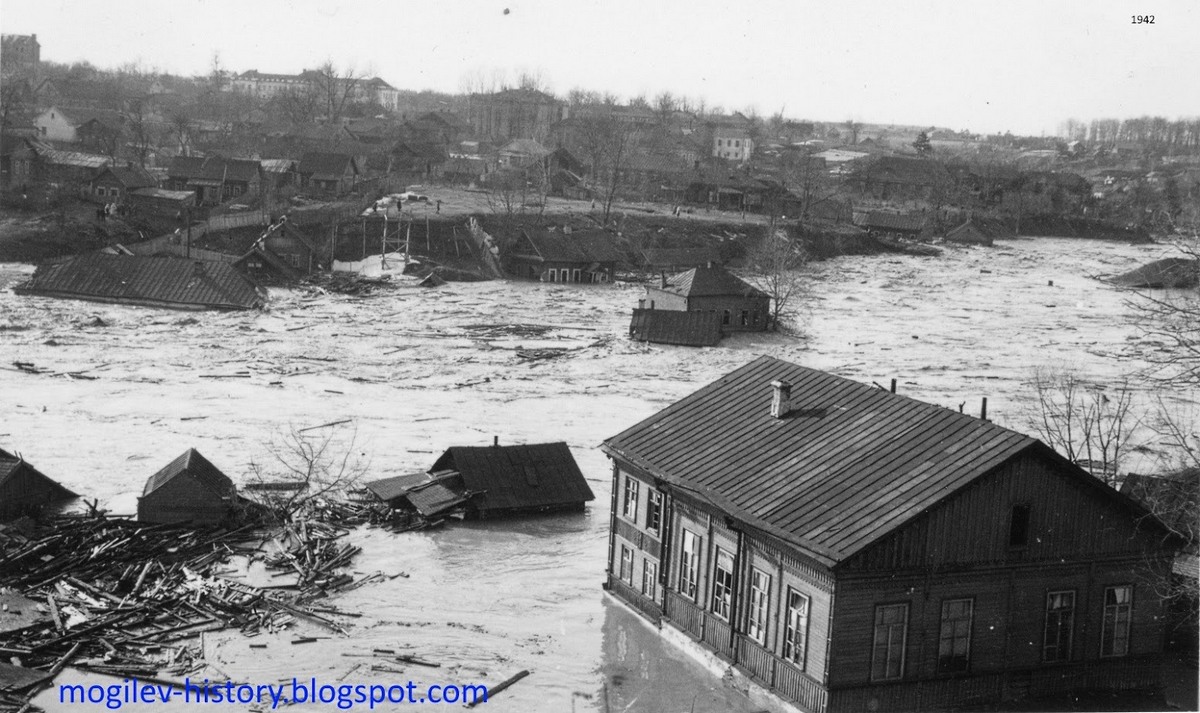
182	499
1069	518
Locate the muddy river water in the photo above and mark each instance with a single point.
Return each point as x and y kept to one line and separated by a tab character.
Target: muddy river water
419	370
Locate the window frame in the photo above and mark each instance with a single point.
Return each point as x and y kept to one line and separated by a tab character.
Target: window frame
1106	650
654	506
947	662
722	584
888	644
626	572
649	578
758	619
629	501
1019	525
795	632
1070	629
689	564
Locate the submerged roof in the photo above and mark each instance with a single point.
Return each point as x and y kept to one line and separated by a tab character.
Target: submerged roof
714	281
142	279
517	477
195	466
849	464
691	329
579	246
11	465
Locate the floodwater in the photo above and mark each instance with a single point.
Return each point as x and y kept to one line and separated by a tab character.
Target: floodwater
419	370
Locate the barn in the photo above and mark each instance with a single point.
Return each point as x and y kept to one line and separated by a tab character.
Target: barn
190	489
24	490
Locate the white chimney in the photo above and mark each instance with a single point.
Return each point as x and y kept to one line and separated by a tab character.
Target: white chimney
781	398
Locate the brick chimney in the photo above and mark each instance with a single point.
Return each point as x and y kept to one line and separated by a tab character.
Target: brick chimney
781	398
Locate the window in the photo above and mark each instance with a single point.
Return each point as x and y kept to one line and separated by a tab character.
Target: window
1018	526
1060	623
954	642
629	508
760	605
745	318
654	512
100	191
577	274
627	565
795	634
689	564
726	318
553	275
891	629
722	593
1118	603
649	579
115	192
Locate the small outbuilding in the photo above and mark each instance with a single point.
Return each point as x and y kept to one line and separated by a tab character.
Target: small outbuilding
663	326
24	490
189	489
969	234
490	481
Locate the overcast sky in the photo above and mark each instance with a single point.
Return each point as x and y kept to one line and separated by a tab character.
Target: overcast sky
986	66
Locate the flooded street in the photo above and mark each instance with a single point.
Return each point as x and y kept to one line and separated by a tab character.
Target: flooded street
420	370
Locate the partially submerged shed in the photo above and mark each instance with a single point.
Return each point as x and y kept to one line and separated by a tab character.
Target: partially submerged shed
689	329
490	481
156	281
189	489
24	490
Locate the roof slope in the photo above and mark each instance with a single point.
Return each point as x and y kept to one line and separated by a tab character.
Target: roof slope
883	220
165	281
11	464
579	246
198	467
689	329
517	477
850	464
713	281
323	163
214	168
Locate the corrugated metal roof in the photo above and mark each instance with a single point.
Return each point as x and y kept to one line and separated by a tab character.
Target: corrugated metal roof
660	326
713	281
516	477
848	465
167	281
198	468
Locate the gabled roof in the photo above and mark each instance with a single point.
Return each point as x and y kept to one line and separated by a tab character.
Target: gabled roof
322	163
906	169
155	280
198	468
131	177
848	465
713	281
881	220
525	147
214	168
517	477
690	329
390	488
11	465
580	246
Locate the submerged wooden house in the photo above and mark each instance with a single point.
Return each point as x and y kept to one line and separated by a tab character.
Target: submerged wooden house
490	481
584	256
842	548
741	306
24	490
153	281
190	489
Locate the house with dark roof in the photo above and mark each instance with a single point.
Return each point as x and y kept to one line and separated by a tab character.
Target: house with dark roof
742	307
114	184
891	225
845	548
24	490
215	179
328	172
663	326
189	489
490	481
588	256
899	178
152	281
969	234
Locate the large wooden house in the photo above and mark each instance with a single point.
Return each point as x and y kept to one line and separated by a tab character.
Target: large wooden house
842	548
189	489
588	256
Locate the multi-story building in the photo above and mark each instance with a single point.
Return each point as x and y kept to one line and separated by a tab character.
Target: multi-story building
832	546
20	56
264	86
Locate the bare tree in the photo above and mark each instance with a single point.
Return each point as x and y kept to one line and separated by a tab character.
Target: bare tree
305	466
778	263
1087	423
608	144
181	130
805	176
143	133
1170	319
336	88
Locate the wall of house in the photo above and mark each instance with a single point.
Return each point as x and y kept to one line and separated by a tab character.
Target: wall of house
182	499
26	491
663	299
756	311
53	126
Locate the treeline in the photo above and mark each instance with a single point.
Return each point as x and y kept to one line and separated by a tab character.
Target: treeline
1181	135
